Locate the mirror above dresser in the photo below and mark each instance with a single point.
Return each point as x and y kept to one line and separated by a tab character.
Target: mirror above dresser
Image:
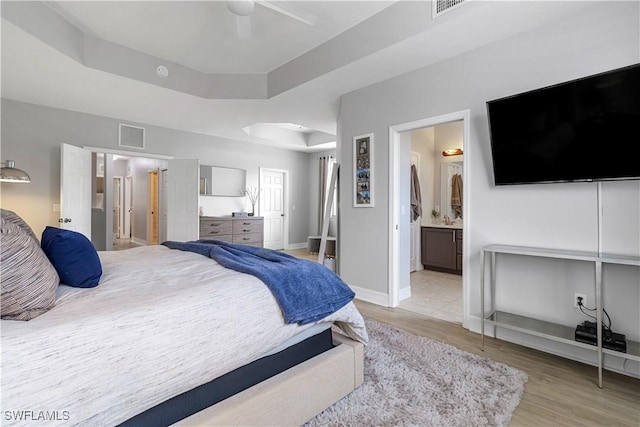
222	181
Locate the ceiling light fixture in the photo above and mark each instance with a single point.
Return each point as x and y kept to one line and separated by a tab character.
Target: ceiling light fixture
9	173
452	152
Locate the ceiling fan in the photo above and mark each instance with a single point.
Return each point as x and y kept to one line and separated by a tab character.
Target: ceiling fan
243	9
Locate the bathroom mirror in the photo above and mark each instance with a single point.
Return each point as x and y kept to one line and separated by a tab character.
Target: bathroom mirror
220	181
447	171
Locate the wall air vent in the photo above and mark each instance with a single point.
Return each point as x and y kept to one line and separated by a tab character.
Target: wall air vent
131	136
444	6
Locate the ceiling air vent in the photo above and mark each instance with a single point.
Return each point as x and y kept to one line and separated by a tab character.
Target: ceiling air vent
131	136
444	6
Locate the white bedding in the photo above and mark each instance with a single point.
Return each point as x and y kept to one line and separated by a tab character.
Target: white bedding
160	323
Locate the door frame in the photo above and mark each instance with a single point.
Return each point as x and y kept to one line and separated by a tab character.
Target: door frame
128	187
394	279
285	200
120	180
108	231
153	190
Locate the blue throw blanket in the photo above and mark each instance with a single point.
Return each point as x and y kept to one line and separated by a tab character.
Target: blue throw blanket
306	291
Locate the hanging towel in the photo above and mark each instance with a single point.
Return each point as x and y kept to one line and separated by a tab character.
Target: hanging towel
456	195
416	197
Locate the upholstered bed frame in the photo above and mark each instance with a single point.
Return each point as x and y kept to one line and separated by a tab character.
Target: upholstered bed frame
293	396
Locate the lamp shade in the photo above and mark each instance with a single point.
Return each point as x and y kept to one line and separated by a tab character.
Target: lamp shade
9	173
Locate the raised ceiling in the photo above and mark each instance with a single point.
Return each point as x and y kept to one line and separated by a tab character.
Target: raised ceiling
101	58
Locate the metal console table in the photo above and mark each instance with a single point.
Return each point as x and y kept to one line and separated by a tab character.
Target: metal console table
549	330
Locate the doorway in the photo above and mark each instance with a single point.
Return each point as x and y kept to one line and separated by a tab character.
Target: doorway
152	207
402	287
118	208
272	207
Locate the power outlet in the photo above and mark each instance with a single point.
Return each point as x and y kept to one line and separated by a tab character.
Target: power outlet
576	297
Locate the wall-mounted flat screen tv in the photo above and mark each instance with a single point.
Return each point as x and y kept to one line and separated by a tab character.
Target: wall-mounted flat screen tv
582	130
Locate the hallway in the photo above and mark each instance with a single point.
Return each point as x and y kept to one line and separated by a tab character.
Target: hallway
120	244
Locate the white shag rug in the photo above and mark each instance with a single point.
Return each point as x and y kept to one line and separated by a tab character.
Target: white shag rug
416	381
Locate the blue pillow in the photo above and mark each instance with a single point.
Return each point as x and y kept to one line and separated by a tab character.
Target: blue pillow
73	256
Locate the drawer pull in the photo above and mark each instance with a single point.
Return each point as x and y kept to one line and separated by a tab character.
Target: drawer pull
215	224
246	238
246	223
213	232
246	231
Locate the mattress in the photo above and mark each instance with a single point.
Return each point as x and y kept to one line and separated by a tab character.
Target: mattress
160	323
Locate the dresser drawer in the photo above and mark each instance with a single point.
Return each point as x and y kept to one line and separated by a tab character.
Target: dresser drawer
254	239
213	227
245	226
227	238
206	232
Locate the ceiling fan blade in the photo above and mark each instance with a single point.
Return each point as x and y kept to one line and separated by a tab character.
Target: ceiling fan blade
243	24
290	10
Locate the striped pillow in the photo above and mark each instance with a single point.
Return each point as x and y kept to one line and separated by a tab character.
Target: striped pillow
15	218
28	279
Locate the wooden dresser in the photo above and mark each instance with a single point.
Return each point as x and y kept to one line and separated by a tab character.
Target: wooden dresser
243	231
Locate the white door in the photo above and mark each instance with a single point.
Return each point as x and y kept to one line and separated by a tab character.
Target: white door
75	189
182	199
272	207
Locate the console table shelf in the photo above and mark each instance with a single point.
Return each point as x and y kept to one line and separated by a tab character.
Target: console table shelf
553	331
549	330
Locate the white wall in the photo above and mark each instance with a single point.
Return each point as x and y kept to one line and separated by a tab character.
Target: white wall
600	37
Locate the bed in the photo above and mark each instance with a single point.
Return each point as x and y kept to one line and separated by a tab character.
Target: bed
165	322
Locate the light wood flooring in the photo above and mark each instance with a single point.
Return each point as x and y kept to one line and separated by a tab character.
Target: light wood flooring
560	392
120	244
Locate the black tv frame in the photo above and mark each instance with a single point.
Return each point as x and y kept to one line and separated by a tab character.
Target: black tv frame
542	165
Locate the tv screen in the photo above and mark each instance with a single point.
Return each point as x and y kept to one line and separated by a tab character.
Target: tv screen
583	130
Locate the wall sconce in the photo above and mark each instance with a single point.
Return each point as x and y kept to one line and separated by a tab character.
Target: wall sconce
452	152
9	173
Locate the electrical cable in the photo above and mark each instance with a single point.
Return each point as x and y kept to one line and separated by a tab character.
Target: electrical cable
593	317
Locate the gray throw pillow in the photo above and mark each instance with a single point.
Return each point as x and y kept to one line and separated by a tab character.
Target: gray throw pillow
27	278
13	217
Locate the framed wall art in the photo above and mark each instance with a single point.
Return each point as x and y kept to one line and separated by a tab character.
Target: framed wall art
363	171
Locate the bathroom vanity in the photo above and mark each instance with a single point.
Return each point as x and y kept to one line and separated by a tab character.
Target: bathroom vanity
441	247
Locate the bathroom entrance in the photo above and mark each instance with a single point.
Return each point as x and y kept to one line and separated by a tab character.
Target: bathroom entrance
429	155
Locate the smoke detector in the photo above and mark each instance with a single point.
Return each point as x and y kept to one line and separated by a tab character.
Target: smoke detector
162	71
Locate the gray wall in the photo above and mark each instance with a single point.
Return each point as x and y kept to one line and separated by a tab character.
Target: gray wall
31	135
602	36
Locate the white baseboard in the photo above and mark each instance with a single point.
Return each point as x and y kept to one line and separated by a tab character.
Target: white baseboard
404	293
139	241
291	246
373	297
